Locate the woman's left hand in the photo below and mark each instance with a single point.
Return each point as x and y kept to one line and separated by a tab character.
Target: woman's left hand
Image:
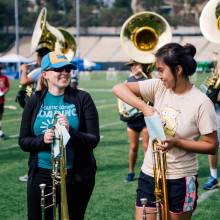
62	120
167	144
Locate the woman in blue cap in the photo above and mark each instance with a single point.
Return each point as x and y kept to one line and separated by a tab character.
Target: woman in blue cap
76	111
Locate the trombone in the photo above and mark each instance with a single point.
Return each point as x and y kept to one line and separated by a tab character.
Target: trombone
58	176
160	185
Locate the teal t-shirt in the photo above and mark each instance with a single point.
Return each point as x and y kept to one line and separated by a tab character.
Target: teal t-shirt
44	120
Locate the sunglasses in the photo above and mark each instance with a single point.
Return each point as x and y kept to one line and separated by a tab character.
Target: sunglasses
61	69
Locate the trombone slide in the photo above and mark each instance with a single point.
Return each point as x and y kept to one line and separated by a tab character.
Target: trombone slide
160	187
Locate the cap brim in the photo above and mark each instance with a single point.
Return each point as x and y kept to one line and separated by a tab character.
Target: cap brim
130	63
64	64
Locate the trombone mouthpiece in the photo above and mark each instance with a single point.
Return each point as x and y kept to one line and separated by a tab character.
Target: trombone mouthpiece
143	201
42	185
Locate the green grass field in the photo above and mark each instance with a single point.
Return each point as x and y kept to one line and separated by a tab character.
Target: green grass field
112	199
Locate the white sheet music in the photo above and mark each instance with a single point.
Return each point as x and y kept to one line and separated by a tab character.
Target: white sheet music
65	138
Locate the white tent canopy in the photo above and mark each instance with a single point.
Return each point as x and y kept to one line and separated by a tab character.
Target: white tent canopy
14	58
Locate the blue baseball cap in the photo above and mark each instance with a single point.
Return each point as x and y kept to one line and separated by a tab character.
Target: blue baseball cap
55	60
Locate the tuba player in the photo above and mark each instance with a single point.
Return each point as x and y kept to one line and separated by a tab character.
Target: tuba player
135	123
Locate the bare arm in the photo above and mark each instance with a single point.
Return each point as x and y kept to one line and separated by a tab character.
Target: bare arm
25	80
207	144
129	92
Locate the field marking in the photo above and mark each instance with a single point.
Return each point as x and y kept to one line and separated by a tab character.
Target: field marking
9	147
9	120
12	136
10	107
105	106
101	101
206	194
8	113
110	124
99	90
16	135
203	197
98	107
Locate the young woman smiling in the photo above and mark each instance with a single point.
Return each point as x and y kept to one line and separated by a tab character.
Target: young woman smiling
186	114
76	111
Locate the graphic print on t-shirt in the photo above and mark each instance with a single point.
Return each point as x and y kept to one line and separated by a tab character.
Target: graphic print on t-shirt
53	105
169	120
46	115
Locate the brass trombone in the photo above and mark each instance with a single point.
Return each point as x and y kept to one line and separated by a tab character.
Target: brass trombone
160	185
58	176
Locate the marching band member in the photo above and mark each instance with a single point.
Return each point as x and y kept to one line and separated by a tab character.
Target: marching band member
212	181
210	31
4	87
34	81
186	114
25	80
78	113
136	124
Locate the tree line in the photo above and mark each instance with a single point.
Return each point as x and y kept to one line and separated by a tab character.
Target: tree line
93	13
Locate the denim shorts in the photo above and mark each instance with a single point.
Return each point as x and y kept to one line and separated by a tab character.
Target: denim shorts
182	193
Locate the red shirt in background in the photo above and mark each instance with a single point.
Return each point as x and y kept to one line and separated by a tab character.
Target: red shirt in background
4	86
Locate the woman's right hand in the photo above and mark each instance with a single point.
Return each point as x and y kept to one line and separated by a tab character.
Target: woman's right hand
24	68
148	110
49	136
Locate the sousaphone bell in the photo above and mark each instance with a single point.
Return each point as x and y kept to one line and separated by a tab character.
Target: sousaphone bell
210	21
143	34
55	39
210	27
52	38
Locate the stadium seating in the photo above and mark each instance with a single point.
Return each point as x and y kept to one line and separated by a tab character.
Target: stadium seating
108	48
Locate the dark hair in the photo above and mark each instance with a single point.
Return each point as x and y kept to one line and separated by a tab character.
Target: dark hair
43	51
173	54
